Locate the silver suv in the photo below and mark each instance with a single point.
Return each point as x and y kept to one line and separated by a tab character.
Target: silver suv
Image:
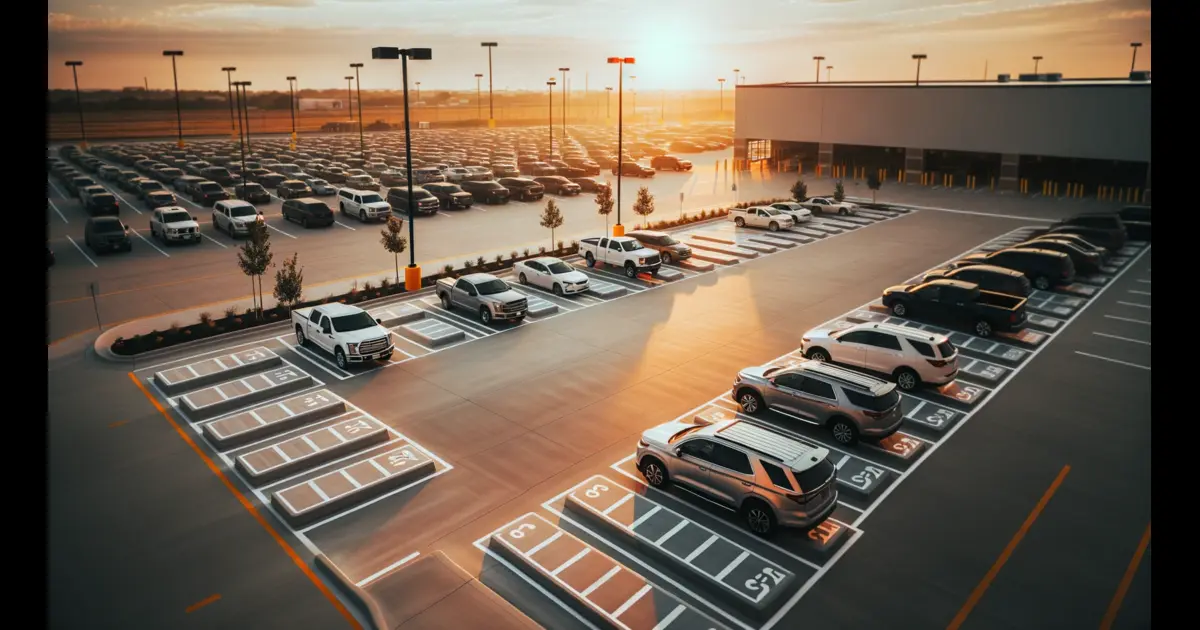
850	404
910	356
769	479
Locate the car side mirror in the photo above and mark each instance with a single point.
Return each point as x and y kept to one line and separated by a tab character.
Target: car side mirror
378	321
193	217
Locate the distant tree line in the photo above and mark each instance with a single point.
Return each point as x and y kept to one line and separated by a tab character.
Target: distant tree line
63	101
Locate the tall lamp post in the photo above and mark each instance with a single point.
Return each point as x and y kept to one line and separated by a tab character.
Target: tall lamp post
491	106
243	103
618	229
737	76
919	57
564	72
1037	60
350	96
292	93
1134	46
550	83
78	101
721	82
818	59
608	103
229	70
478	96
828	71
412	273
175	73
362	145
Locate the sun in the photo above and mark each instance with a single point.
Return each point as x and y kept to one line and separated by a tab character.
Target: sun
666	51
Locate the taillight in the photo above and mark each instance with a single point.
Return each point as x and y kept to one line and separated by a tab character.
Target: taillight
1013	317
1066	273
874	414
938	362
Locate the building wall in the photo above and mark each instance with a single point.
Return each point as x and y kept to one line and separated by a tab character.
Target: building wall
1082	121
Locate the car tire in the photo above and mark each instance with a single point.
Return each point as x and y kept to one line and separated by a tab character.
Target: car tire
740	222
654	472
666	257
590	259
362	216
750	401
818	354
899	309
758	517
339	357
1041	283
485	315
843	212
630	271
523	280
907	379
304	222
446	302
774	227
558	290
301	340
843	431
983	328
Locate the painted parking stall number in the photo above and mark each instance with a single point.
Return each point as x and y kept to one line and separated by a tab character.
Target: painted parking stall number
402	459
316	400
860	476
761	583
519	532
983	370
928	415
825	533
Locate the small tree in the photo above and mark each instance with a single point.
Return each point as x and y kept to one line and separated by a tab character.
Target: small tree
552	218
799	190
839	192
644	205
254	258
874	183
604	204
289	282
392	237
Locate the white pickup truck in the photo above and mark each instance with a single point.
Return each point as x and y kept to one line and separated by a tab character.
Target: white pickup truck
624	252
347	332
761	217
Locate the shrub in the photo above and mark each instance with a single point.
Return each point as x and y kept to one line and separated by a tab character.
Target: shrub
174	327
526	254
499	259
206	318
385	284
542	250
368	287
230	312
574	245
480	262
512	255
560	245
468	265
448	270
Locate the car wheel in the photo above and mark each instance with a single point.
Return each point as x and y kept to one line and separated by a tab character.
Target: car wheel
843	212
818	354
774	227
522	279
740	222
666	257
340	358
558	290
907	379
301	340
844	432
485	315
362	216
750	401
304	222
655	473
446	303
899	309
760	519
1042	283
983	328
630	271
591	260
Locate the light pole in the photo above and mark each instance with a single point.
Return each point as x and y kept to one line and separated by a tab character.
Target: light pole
350	96
175	73
618	229
828	71
550	150
292	93
721	82
243	101
491	107
919	57
362	144
237	85
736	77
564	72
229	70
1134	46
608	103
78	101
818	59
412	273
478	96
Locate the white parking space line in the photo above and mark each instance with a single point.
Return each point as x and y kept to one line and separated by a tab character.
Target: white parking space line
1139	292
1133	304
791	603
147	241
1118	337
388	569
219	243
89	258
126	201
62	193
1111	360
1128	319
443	213
1144	281
55	206
279	230
344	225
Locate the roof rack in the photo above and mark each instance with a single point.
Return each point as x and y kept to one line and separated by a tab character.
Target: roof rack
911	333
779	447
842	375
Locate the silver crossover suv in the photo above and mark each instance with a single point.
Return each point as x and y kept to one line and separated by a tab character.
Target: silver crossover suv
910	356
850	404
769	479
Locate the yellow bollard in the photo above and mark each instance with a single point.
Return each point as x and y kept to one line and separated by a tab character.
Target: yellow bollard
1055	189
1099	193
951	181
1137	194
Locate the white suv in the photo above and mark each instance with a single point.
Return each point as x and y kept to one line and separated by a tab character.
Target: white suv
909	356
761	217
799	213
364	204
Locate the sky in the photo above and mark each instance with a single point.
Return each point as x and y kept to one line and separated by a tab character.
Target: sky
677	44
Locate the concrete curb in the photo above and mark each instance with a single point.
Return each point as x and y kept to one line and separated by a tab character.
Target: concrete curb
359	598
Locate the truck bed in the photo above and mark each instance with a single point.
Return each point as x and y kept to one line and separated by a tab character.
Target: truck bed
1000	300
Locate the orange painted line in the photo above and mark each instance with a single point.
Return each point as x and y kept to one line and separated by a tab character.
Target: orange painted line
986	582
1110	616
201	604
249	506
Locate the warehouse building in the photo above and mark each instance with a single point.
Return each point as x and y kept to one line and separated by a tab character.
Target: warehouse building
1028	134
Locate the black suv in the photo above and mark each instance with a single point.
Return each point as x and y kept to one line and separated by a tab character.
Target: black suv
308	212
253	192
102	204
426	203
1102	228
523	188
558	185
1043	267
670	163
450	195
208	193
633	169
486	192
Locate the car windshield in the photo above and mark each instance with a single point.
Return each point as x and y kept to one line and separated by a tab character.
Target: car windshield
210	187
108	226
772	211
150	185
296	185
630	246
357	321
492	287
253	187
682	434
176	217
319	182
667	240
243	211
558	267
421	194
947	349
372	198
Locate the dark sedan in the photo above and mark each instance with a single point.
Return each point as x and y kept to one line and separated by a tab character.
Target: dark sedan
1084	261
208	193
253	192
160	199
450	196
589	184
558	185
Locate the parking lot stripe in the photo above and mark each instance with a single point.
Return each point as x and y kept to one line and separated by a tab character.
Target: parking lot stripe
674	530
1133	304
732	565
545	543
666	621
279	451
317	489
314	358
1128	319
248	385
249	506
842	462
533	584
1139	292
84	254
633	599
279	230
600	581
122	198
1144	281
643	518
147	241
1118	337
1110	615
821	571
572	560
1117	361
712	538
351	479
986	582
219	243
616	504
55	206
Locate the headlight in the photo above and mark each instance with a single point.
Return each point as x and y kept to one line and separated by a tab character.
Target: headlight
172	230
641	261
352	348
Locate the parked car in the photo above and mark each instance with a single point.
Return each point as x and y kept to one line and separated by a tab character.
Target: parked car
589	184
186	183
450	196
633	169
107	173
207	193
589	166
761	217
670	249
321	188
102	204
235	216
253	192
1102	238
1082	243
308	212
768	479
1044	268
828	206
367	205
423	201
537	169
670	163
362	182
957	304
293	188
484	294
909	356
480	173
622	252
489	192
219	174
799	213
75	184
160	199
988	277
393	177
1136	220
551	274
147	186
523	188
850	405
347	332
558	185
427	174
685	146
174	225
1107	223
1084	261
106	234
